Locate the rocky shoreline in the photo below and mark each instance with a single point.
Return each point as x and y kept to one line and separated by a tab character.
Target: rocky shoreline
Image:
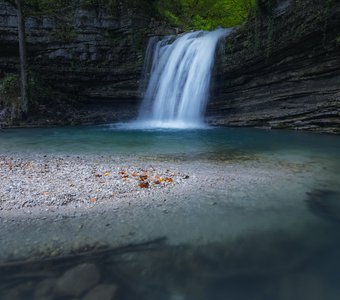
91	219
104	227
56	203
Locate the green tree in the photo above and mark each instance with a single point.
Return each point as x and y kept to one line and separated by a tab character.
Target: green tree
205	14
20	109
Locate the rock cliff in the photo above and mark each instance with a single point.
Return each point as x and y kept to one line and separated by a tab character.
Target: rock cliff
282	68
91	55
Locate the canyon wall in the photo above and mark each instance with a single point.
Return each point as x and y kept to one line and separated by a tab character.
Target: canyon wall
87	54
282	68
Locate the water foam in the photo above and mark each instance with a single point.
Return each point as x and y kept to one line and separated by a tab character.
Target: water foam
177	77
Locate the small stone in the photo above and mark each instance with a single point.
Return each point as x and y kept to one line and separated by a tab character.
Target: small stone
78	280
102	292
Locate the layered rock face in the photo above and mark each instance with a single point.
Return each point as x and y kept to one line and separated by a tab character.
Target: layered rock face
279	70
88	54
282	68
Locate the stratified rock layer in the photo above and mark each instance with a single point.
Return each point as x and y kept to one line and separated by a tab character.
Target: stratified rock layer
87	53
282	68
279	70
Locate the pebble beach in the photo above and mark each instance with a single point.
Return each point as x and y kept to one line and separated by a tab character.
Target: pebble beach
63	202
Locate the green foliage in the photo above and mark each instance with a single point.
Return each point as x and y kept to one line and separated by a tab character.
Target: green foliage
9	87
205	14
9	96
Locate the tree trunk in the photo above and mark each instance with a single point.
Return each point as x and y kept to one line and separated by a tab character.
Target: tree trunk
23	60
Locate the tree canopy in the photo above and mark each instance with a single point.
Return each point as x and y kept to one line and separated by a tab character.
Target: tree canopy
205	14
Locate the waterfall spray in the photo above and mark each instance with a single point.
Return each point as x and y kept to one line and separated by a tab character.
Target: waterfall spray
178	79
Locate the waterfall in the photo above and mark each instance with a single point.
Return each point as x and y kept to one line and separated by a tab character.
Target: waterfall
177	75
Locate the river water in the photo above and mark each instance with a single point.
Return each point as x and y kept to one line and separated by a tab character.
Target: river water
275	238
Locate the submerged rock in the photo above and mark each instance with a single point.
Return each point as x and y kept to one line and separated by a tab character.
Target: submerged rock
78	280
325	204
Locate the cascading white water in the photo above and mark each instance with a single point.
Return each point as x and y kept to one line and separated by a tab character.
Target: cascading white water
178	79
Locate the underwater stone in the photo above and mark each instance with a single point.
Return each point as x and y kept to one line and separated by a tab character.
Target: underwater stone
78	280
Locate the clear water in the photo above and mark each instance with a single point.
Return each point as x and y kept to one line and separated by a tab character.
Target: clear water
119	139
273	239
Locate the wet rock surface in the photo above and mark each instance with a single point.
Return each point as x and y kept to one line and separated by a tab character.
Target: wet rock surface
281	70
78	280
86	55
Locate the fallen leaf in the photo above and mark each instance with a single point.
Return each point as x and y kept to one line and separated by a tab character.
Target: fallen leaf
45	193
106	174
98	175
144	185
93	200
143	177
169	179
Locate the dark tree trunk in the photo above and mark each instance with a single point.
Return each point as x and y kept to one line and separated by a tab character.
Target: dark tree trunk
23	60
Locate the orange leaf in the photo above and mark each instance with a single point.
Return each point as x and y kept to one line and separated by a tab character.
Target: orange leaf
144	185
93	200
169	179
143	177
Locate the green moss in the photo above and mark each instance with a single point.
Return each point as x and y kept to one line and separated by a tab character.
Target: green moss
9	85
39	89
204	14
